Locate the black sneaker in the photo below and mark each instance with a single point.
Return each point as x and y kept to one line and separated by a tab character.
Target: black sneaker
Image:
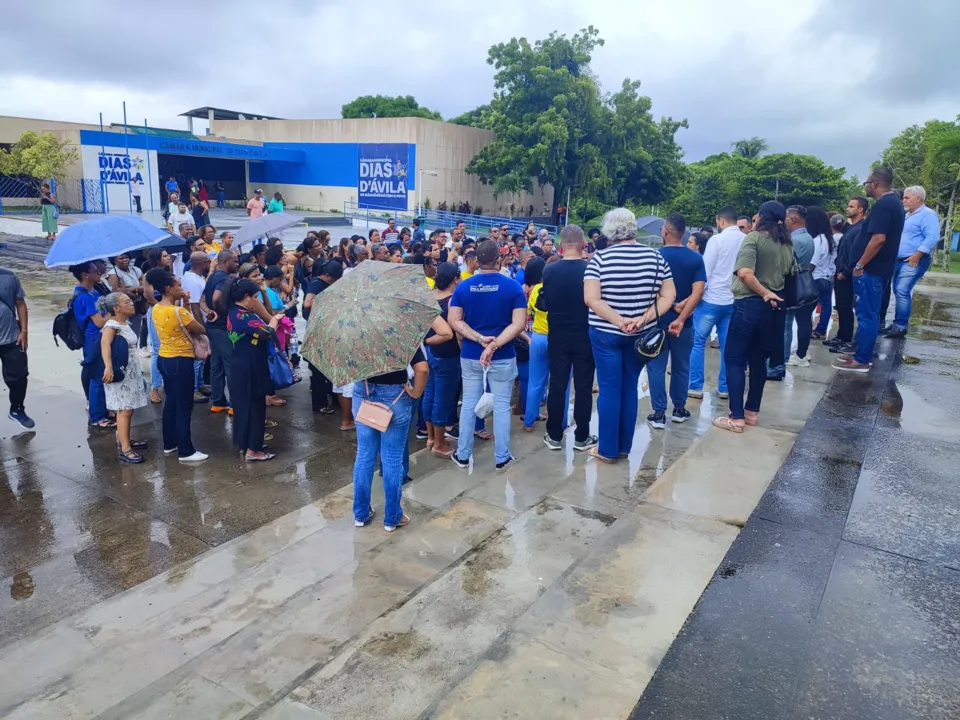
551	443
422	435
463	464
896	334
775	378
502	465
453	433
21	417
657	420
680	415
844	348
887	329
406	480
834	341
584	445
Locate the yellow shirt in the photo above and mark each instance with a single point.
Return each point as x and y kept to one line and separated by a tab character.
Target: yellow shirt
539	316
212	249
464	274
431	282
173	341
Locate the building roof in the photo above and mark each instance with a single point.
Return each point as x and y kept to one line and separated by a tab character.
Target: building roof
156	132
221	114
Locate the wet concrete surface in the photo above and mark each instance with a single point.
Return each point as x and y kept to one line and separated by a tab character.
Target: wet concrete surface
840	597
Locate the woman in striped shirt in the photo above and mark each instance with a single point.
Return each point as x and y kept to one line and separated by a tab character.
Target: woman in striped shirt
620	286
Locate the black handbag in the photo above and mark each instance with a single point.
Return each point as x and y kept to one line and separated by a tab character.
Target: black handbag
650	342
800	289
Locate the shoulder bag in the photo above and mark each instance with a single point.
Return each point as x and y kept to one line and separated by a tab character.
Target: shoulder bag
650	342
201	344
376	415
799	288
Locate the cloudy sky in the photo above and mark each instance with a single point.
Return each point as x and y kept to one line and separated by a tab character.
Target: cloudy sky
835	78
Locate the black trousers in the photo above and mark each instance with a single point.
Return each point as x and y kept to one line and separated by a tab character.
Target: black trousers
563	355
321	389
885	305
15	372
843	293
136	199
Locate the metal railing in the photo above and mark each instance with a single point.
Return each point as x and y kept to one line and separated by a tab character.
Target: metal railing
477	224
20	195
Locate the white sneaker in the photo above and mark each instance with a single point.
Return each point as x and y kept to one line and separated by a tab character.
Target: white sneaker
195	458
795	361
145	352
698	394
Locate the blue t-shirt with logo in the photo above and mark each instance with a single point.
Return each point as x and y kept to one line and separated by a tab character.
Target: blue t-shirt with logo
687	267
488	301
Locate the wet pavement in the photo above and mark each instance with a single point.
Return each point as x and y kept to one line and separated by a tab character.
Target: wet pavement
841	597
552	589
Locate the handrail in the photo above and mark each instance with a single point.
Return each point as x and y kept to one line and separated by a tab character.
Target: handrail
436	218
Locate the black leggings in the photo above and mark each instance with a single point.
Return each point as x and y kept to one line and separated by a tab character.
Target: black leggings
804	317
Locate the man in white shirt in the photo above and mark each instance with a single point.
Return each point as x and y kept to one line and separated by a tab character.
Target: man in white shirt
135	191
178	218
716	307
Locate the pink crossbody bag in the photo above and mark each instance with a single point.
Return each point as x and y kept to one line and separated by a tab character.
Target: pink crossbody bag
376	415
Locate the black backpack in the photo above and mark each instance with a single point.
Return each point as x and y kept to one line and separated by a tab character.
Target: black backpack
66	328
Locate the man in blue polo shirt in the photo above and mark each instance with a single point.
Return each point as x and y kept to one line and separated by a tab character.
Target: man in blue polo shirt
921	233
488	311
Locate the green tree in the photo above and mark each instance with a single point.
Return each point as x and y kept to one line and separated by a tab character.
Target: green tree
942	159
472	118
750	147
745	183
42	156
382	106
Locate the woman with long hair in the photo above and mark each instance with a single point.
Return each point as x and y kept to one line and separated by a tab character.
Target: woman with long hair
443	356
697	242
756	328
200	210
126	395
157	259
249	375
824	264
48	206
342	254
174	326
276	204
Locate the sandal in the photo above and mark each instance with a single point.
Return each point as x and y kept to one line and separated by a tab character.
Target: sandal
275	402
483	434
443	453
263	458
327	411
429	443
135	445
751	418
104	424
270	424
595	453
348	429
130	456
726	423
155	397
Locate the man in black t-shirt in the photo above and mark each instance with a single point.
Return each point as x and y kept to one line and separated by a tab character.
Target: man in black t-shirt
568	343
221	348
875	252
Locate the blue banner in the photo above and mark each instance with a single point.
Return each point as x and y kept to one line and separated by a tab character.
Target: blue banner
383	175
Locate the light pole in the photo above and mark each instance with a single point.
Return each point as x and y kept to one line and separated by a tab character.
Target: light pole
420	187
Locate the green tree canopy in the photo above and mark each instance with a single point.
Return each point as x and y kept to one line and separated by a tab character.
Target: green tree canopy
745	183
41	156
750	147
472	118
552	124
381	106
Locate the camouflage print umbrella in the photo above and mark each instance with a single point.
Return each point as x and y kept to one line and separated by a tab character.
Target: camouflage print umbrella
369	322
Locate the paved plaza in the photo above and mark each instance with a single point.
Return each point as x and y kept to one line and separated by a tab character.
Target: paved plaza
807	568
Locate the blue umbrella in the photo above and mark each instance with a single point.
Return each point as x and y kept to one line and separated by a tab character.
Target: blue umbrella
103	237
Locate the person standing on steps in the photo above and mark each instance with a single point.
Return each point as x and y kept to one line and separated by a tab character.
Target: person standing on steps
921	233
13	345
488	311
716	307
876	252
689	278
568	343
843	343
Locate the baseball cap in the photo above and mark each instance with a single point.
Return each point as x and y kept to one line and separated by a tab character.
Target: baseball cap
258	190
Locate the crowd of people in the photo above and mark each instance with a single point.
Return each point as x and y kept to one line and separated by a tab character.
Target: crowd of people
523	319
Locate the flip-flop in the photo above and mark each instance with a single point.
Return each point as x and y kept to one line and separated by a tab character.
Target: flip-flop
270	424
726	423
276	402
266	456
751	418
348	429
326	411
594	452
442	453
483	434
104	425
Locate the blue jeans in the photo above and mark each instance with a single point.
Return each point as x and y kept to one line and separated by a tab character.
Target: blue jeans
93	381
825	287
618	374
156	381
220	199
500	377
868	290
177	373
705	318
389	444
905	278
440	395
788	317
523	377
745	347
539	368
197	375
679	350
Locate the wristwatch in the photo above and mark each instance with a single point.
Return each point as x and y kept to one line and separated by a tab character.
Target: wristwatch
858	266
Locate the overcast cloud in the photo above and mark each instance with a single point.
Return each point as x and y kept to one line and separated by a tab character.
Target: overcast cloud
834	78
